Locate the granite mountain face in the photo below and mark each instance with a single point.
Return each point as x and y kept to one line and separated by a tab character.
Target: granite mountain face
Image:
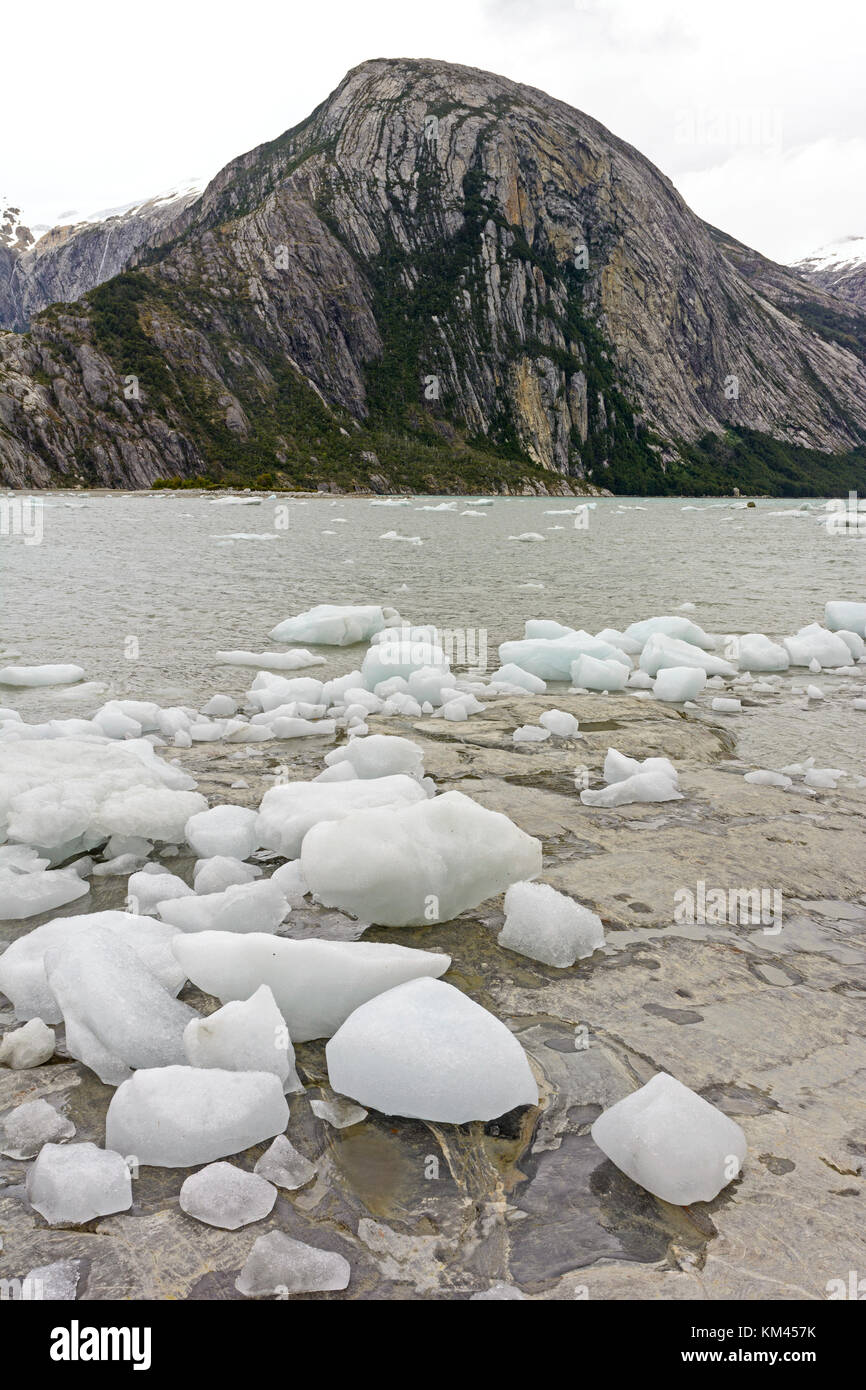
440	279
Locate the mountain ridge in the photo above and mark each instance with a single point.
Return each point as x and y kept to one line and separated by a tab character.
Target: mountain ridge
440	277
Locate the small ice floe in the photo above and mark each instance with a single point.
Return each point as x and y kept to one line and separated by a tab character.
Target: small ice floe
629	781
826	777
244	1035
840	614
70	1184
815	643
676	684
672	1142
248	536
549	926
33	676
721	705
335	625
426	1051
416	864
24	1130
178	1117
395	536
282	1165
292	660
279	1265
858	704
28	1046
243	907
391	502
225	1196
661	651
590	673
756	652
527	536
814	692
316	983
338	1112
669	625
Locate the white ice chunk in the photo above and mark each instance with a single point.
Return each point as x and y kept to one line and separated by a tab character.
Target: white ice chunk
145	890
549	926
672	1142
73	1183
244	1035
225	1196
644	786
117	1014
757	653
588	673
661	651
177	1117
216	874
220	707
333	625
244	907
762	777
815	643
292	660
675	684
41	675
617	767
725	706
283	1165
289	811
426	1051
290	880
24	895
22	965
279	1265
559	722
530	733
423	863
552	658
316	983
512	674
379	755
338	1112
29	1046
670	626
841	613
24	1130
225	830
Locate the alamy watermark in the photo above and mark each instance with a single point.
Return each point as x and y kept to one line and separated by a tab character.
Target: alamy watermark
704	906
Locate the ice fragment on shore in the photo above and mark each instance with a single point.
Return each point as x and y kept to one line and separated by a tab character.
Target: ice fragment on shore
417	864
223	830
24	1130
334	625
225	1196
177	1117
316	983
287	813
282	1165
672	1142
549	926
282	1266
29	1046
676	684
244	1035
338	1112
243	907
426	1051
73	1183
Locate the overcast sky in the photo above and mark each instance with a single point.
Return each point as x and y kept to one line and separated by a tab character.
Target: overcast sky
754	108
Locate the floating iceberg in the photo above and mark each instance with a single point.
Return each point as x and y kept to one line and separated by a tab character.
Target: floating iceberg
847	616
40	675
177	1117
333	625
292	660
815	643
316	983
757	653
672	1142
661	651
426	1051
417	864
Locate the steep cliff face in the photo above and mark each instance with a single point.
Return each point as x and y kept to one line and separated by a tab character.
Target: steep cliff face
70	260
440	275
